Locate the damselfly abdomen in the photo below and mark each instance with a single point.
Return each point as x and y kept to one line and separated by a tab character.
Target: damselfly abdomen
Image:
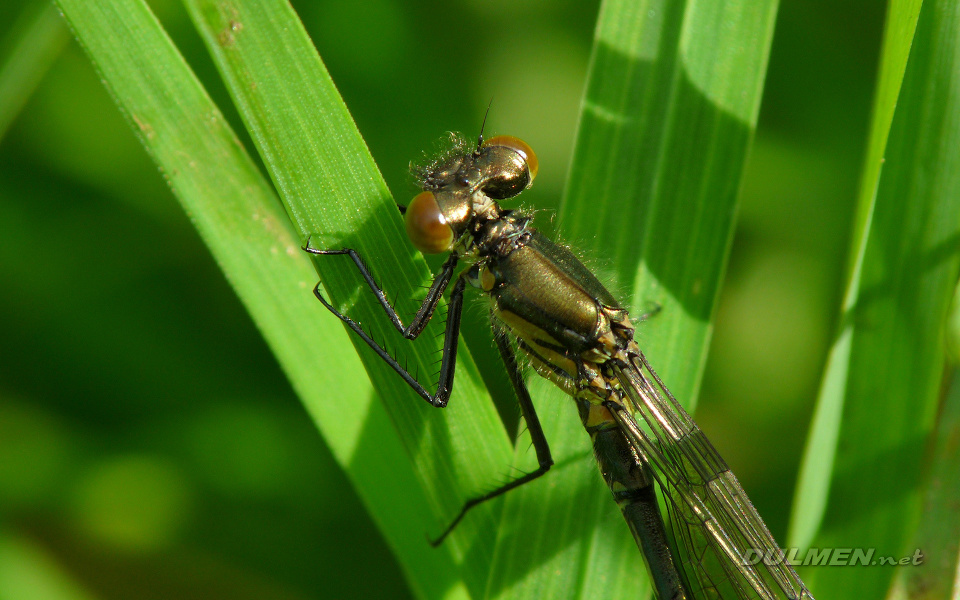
549	307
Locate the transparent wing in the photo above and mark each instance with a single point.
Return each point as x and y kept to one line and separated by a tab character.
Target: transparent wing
727	551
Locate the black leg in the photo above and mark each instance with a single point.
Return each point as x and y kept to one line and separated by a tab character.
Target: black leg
420	320
533	426
448	361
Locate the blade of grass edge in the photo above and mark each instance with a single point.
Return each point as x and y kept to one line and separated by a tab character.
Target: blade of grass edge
652	75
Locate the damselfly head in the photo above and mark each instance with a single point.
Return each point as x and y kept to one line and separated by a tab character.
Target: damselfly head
461	183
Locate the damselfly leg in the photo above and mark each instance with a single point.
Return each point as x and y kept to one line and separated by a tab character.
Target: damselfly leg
448	361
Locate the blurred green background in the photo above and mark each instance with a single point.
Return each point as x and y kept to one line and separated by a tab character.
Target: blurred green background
166	456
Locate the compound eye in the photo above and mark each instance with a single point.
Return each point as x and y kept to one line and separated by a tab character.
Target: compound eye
520	147
427	228
514	165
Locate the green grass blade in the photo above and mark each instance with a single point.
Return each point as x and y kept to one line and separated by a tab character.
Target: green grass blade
239	218
813	485
330	187
668	118
910	267
35	40
670	109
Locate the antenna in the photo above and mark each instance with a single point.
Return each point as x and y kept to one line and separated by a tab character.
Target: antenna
482	125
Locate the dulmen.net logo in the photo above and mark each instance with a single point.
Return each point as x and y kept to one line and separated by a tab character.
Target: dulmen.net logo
832	557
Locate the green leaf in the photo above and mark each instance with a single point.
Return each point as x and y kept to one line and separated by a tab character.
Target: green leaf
28	50
668	119
882	384
240	219
334	194
811	497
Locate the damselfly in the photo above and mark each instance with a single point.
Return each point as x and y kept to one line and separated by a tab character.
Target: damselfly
548	306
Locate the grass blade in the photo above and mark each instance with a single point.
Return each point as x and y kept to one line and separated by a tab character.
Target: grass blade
811	497
36	39
331	189
239	217
909	270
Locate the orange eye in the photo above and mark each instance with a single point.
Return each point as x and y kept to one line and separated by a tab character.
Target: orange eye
427	228
519	146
